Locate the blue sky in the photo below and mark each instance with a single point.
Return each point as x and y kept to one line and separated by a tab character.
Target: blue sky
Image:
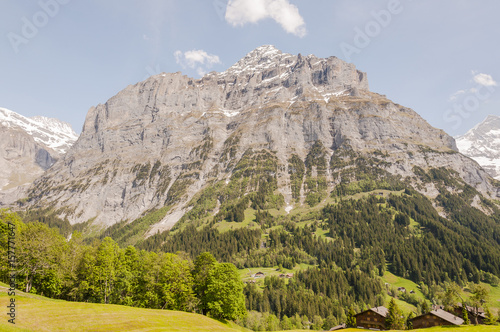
60	57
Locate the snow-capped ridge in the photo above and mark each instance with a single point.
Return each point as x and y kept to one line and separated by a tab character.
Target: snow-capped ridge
261	58
482	143
53	133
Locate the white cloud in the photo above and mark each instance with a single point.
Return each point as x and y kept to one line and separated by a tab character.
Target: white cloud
241	12
196	59
484	79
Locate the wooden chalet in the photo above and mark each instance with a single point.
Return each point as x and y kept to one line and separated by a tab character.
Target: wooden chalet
471	311
373	319
437	317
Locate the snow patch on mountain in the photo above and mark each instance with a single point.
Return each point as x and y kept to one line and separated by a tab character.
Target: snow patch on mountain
482	143
52	133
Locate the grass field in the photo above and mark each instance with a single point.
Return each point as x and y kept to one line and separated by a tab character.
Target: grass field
245	274
469	328
249	222
493	292
37	313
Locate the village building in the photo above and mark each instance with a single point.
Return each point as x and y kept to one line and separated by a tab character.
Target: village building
471	311
288	275
338	327
437	317
373	318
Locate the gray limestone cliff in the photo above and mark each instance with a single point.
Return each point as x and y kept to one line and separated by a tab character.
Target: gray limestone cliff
161	141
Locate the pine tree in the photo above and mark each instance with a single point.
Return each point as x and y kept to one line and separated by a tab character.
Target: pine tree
394	319
425	307
409	322
351	320
490	319
465	314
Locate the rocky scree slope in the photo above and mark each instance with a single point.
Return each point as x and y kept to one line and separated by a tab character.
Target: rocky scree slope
29	146
482	143
291	127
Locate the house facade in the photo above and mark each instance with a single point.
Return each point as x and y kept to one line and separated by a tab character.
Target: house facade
436	317
471	311
373	318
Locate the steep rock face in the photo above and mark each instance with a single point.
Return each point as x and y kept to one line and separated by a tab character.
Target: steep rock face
28	147
159	142
482	143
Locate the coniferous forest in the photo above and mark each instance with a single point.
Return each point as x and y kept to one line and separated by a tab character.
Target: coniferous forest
345	248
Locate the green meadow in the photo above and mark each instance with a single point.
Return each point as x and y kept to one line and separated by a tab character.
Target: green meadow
38	313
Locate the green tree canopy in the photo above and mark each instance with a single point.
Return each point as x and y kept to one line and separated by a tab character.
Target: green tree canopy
203	265
38	250
351	320
395	319
225	299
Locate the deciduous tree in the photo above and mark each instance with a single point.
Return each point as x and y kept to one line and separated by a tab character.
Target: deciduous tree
478	298
39	249
225	299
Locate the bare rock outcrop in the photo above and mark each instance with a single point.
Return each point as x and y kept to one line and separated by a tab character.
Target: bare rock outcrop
160	141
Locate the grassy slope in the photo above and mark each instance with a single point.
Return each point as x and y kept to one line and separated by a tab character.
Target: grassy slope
493	302
245	274
37	313
397	282
469	328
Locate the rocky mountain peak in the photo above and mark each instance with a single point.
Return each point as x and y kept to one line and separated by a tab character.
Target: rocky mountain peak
28	147
261	58
160	142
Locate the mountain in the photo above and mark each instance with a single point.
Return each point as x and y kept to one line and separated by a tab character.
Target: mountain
29	146
289	130
482	143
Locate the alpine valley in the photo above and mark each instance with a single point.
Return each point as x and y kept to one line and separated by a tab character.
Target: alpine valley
282	162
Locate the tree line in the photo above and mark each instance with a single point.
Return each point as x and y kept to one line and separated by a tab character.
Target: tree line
101	272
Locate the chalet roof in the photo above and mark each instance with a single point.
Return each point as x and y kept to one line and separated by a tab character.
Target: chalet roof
445	315
382	311
480	311
338	327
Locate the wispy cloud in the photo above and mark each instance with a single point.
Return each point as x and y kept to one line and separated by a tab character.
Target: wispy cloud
196	59
481	80
241	12
456	94
484	79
